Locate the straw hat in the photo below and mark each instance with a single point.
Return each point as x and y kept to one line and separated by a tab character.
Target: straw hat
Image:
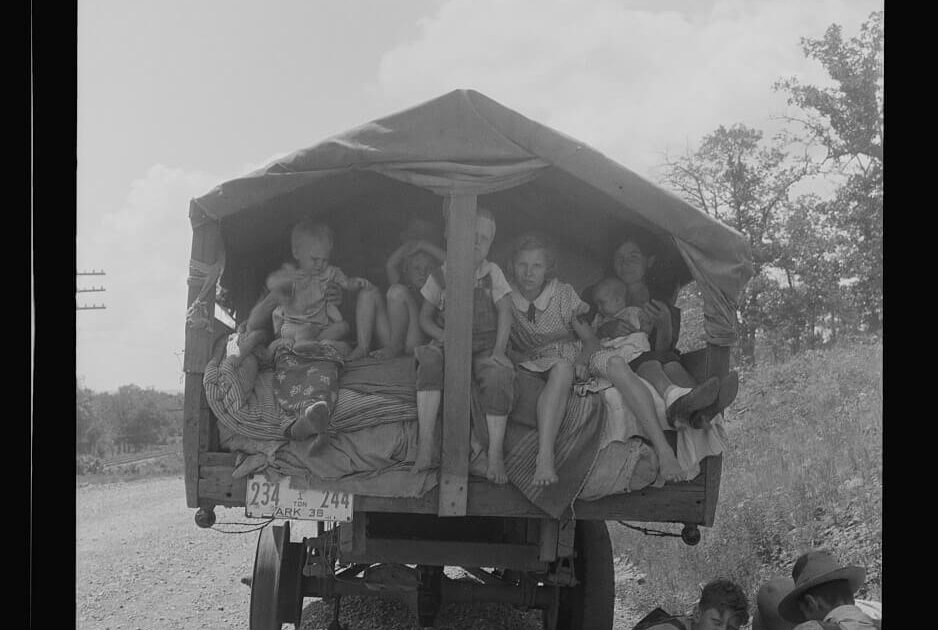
812	569
770	594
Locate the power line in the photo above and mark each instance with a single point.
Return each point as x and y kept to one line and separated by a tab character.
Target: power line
91	307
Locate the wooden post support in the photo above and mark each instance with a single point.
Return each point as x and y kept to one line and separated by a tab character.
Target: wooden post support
565	538
550	530
460	212
206	248
712	468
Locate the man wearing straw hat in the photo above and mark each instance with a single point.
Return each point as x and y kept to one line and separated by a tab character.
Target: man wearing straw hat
822	597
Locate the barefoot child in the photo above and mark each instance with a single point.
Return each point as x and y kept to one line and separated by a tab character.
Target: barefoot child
491	369
395	322
300	314
611	296
303	315
612	361
545	333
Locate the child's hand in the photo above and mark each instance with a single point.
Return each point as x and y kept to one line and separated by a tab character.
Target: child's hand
502	359
333	294
581	327
281	281
359	283
658	312
615	328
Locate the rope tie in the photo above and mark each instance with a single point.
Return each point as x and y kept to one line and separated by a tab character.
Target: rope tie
197	315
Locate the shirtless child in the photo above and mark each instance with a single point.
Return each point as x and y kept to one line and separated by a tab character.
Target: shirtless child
394	320
303	316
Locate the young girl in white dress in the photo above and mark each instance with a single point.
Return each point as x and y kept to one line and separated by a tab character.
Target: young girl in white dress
546	335
552	339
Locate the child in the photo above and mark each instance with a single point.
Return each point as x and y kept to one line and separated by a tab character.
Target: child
491	369
612	362
395	323
545	334
303	316
611	296
722	606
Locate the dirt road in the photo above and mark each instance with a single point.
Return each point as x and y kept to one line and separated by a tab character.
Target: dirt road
143	563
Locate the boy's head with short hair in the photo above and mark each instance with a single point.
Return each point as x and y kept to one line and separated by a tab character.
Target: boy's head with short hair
485	233
610	296
722	606
311	244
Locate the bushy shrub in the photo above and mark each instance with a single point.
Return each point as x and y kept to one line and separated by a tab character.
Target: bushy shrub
88	464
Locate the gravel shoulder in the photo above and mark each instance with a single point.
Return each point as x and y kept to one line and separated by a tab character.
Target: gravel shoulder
142	563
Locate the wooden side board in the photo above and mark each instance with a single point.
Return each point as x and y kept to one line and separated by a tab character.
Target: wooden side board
689	502
199	434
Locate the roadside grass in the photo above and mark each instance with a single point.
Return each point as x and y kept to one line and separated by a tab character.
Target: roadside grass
164	467
802	470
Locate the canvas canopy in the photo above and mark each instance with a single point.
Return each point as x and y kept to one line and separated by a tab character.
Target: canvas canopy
465	143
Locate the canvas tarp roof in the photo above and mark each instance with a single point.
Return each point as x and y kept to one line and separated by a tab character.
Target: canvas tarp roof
464	142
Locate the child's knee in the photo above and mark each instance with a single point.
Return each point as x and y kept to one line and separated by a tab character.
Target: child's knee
398	293
367	296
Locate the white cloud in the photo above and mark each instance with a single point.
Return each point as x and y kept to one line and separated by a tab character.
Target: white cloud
144	250
630	82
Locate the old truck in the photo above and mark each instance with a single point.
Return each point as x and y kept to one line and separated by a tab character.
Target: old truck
447	155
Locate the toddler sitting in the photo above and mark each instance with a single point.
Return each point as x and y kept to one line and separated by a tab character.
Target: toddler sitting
303	315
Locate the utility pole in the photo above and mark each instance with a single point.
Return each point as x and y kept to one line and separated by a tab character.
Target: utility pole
92	307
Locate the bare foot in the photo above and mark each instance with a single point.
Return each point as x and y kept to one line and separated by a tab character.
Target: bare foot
360	352
544	473
496	470
385	353
669	469
313	421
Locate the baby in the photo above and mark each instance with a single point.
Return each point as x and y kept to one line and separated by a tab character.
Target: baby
610	296
303	316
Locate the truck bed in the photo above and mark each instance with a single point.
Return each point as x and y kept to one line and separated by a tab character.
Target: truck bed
692	502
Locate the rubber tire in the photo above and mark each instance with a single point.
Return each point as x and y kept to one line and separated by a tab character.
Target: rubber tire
265	586
590	605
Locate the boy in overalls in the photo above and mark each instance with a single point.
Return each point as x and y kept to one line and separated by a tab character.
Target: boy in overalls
491	369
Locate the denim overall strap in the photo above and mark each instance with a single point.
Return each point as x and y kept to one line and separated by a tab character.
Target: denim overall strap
484	317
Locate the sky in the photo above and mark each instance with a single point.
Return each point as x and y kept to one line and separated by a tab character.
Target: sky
175	97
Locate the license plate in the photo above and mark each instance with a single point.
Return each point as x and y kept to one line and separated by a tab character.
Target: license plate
276	499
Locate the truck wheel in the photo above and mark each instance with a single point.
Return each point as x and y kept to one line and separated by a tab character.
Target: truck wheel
590	605
428	594
276	596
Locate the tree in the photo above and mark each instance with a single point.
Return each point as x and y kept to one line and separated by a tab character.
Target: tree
140	418
745	182
847	120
